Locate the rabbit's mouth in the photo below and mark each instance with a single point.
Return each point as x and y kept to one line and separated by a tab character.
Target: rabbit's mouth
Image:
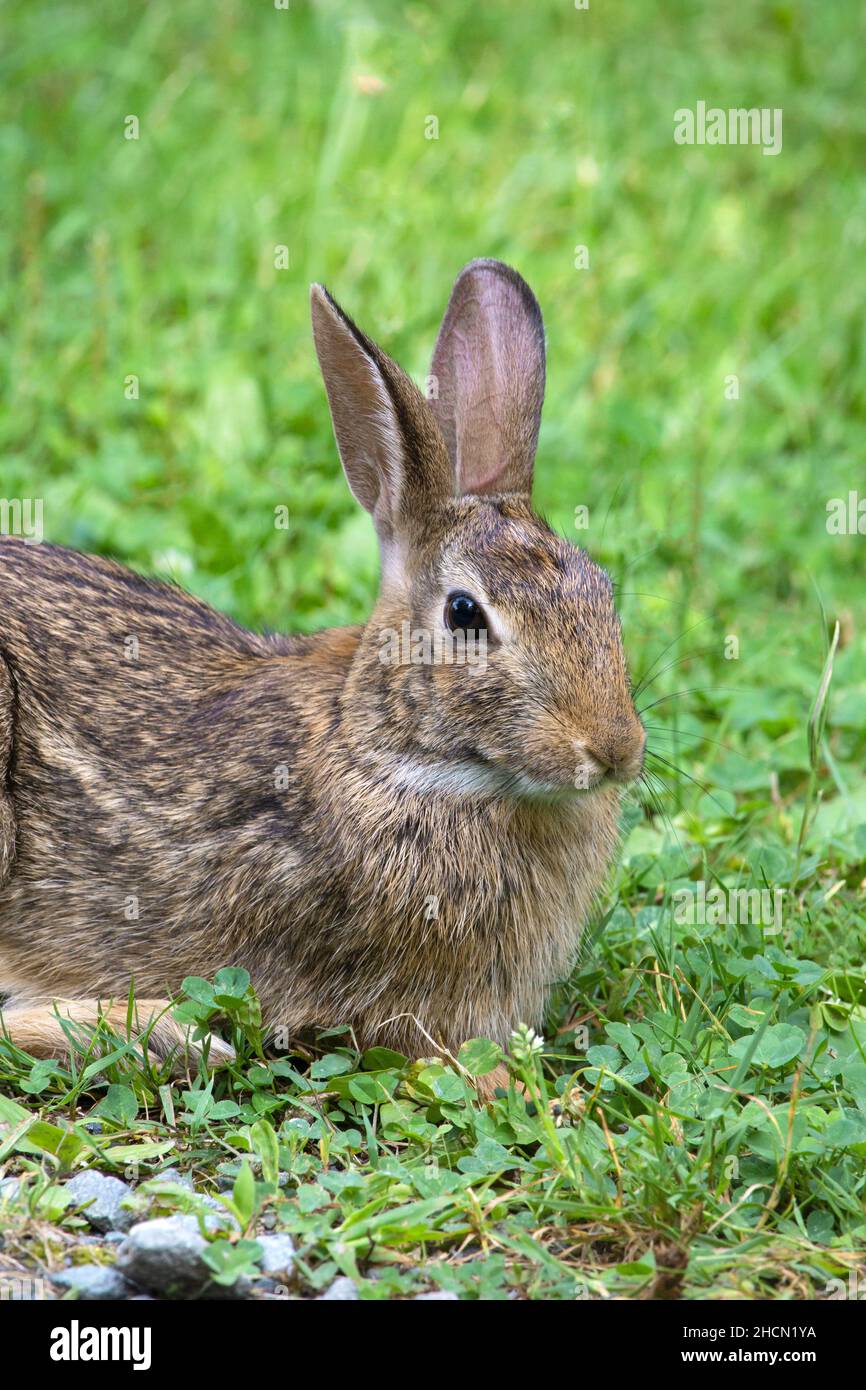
538	789
554	778
475	775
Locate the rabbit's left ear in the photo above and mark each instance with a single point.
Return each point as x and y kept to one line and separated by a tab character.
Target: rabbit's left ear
390	446
488	373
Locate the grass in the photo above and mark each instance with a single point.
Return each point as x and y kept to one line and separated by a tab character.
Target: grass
695	1123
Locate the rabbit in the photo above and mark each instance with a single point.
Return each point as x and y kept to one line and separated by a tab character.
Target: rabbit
408	848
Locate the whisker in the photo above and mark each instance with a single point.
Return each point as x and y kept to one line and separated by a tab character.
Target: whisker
692	689
665	790
642	684
640	593
701	738
680	772
698	651
641	555
658	807
620	484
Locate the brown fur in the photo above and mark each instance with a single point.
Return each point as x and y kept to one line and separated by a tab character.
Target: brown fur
177	794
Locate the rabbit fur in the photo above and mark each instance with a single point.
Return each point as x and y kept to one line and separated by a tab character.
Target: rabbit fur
409	849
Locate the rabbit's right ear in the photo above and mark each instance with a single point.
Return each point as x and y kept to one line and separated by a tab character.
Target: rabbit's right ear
392	452
488	367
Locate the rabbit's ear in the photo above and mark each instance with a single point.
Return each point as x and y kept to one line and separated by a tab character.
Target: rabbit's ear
392	452
488	368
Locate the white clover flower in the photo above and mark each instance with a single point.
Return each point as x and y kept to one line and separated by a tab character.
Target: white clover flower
526	1043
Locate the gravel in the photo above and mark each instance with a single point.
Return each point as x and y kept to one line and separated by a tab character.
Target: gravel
165	1256
101	1198
93	1281
175	1176
342	1289
278	1254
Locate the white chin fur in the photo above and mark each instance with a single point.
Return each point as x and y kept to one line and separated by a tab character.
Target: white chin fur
474	779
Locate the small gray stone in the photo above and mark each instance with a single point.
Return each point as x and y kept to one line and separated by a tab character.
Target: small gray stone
226	1179
278	1253
165	1256
9	1188
342	1289
175	1176
100	1197
222	1217
93	1281
216	1205
441	1297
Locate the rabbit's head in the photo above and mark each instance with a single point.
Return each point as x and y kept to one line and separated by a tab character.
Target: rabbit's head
493	662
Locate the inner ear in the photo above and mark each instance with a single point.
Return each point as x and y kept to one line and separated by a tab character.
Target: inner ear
488	372
390	446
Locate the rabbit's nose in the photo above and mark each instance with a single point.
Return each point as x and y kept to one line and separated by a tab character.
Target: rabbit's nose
620	749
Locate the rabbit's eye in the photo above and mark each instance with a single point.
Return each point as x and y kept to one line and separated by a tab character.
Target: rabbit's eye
463	613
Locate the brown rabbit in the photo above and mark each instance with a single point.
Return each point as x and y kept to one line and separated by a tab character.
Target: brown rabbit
409	847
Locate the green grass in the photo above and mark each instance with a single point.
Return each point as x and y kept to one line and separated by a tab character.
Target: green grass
700	1106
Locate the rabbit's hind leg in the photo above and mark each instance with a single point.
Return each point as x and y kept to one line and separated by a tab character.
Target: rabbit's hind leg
37	1028
7	812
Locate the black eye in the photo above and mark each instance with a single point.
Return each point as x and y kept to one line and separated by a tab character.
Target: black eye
464	614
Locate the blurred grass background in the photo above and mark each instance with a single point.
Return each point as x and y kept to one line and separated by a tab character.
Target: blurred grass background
305	128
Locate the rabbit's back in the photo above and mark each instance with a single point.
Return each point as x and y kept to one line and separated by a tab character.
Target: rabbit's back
66	614
157	765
